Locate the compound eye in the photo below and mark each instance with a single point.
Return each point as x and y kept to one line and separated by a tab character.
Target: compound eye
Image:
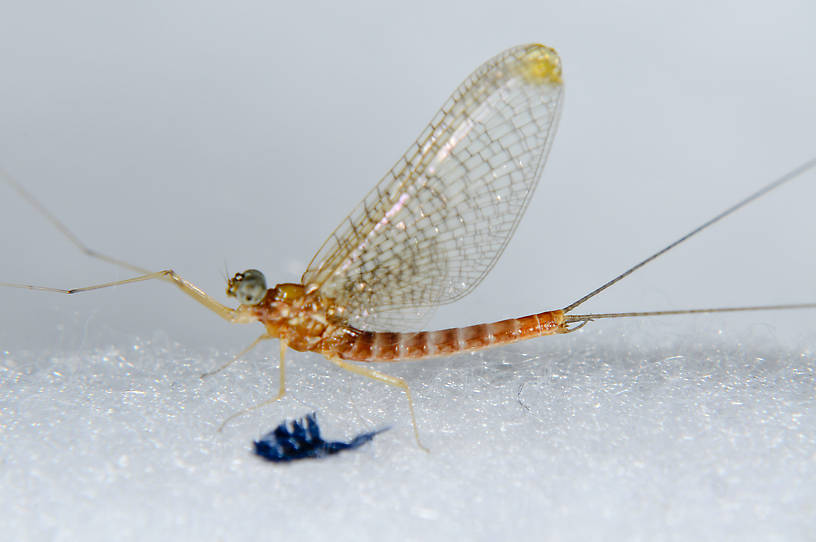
248	287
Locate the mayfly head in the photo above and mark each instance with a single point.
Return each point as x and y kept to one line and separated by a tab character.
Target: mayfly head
249	287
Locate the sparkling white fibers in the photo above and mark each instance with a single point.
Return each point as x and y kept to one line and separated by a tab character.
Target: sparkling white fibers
606	431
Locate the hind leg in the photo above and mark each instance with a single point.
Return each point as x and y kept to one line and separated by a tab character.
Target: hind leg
386	379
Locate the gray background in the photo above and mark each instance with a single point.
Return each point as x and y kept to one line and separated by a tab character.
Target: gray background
194	134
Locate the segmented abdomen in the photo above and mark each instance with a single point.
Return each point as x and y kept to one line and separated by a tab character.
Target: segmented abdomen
387	346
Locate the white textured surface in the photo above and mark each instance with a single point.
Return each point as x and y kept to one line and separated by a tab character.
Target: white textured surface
187	134
702	437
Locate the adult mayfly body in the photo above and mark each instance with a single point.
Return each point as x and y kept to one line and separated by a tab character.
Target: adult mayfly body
425	235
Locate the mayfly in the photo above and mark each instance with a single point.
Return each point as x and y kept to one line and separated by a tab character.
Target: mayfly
425	235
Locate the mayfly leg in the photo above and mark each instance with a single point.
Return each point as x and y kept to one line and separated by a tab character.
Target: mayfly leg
281	382
63	229
386	379
239	355
167	275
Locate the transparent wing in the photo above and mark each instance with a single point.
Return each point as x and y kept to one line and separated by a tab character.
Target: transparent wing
434	226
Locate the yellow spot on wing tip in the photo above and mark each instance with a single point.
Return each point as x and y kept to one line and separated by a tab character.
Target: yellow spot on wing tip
541	64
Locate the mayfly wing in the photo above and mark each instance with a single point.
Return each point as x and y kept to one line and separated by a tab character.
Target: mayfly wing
434	226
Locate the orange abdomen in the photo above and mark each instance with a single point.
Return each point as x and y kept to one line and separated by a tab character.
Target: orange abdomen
390	346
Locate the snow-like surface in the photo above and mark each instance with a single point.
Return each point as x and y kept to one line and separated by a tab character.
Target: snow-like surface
707	436
189	134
